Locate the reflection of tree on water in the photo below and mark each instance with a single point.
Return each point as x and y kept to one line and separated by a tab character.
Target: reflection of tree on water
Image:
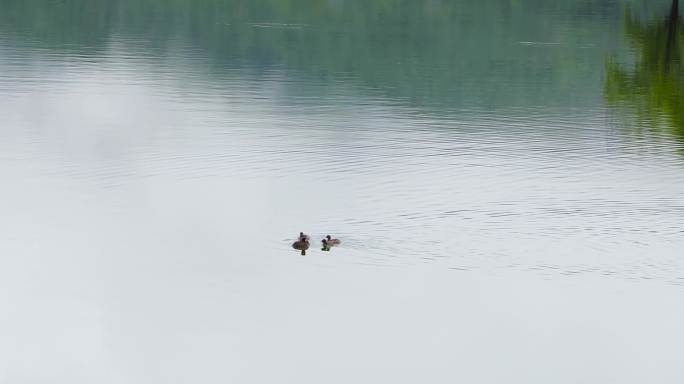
654	88
436	56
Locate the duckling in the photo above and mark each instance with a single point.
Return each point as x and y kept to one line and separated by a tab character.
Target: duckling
329	241
304	236
301	245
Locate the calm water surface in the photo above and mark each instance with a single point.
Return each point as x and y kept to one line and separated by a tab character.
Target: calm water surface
507	180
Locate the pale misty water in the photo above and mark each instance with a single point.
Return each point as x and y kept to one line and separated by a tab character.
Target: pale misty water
505	217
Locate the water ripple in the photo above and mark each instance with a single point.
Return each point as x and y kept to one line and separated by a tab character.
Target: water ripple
552	191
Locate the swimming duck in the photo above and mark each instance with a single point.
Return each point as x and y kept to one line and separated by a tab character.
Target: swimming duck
329	241
301	245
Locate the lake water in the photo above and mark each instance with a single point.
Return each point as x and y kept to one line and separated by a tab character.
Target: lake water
507	180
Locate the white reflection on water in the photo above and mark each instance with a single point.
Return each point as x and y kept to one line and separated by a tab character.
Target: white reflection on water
147	212
558	191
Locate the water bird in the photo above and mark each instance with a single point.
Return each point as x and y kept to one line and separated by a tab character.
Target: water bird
329	241
301	245
304	236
